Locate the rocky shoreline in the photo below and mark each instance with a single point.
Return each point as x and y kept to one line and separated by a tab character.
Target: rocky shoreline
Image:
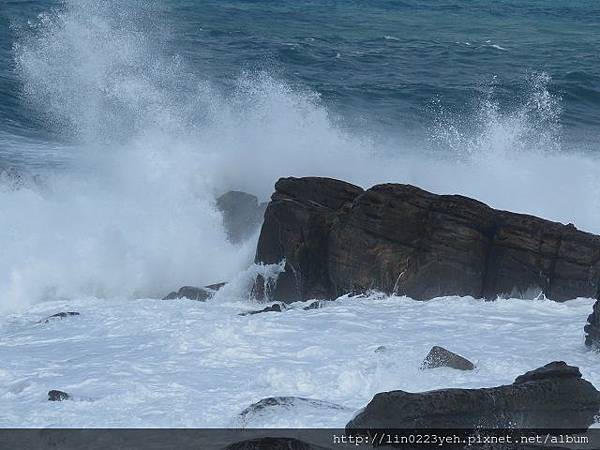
336	238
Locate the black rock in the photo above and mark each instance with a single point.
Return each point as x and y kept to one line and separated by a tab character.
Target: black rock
314	305
296	228
440	357
273	308
60	316
336	238
592	329
273	443
242	214
200	294
554	396
275	407
57	396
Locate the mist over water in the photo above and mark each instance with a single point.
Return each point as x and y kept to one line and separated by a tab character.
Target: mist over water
150	140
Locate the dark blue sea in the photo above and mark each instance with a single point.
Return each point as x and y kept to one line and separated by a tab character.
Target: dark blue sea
120	121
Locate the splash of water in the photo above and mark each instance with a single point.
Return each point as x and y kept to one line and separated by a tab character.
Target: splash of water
153	142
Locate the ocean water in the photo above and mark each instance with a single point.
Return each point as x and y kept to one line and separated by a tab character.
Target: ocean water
121	121
149	363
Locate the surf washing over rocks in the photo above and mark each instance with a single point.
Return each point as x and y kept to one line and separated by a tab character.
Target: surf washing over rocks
146	142
112	197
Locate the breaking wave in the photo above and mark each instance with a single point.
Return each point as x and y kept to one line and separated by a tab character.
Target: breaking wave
150	143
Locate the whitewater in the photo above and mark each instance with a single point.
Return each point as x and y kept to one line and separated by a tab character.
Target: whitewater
118	208
153	363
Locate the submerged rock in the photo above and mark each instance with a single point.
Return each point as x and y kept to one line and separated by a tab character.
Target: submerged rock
242	214
200	294
270	410
273	308
273	443
57	396
440	357
313	305
59	316
336	238
554	396
592	329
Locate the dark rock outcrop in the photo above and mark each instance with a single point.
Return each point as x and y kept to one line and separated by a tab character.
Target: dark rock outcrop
273	443
273	408
59	316
242	214
440	357
57	396
592	329
336	238
554	396
273	308
296	229
200	294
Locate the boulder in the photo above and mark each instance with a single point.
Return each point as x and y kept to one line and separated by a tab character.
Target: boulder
313	305
336	238
274	443
592	329
440	357
554	396
200	294
270	411
273	308
57	396
242	214
59	316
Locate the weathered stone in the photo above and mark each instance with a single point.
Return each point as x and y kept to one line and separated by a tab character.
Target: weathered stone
336	238
592	329
554	396
200	294
272	408
296	229
313	305
440	357
57	396
242	214
273	308
273	443
59	316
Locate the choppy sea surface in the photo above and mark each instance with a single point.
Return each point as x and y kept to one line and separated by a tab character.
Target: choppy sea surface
121	121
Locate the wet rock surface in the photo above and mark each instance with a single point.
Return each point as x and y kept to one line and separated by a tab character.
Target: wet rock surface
57	396
59	316
440	357
592	328
336	238
273	308
554	396
200	294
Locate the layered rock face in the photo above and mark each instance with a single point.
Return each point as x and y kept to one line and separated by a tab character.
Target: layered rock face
337	238
554	396
297	224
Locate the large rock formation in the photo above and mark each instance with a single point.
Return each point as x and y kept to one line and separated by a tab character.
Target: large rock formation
554	396
337	238
592	329
242	214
